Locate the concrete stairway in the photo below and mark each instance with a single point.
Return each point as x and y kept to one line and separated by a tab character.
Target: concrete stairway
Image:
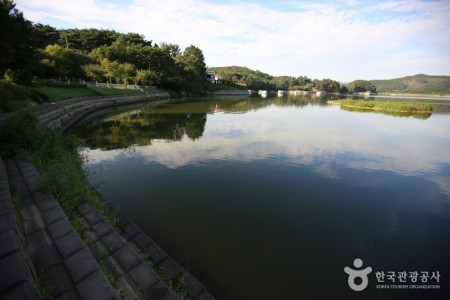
42	255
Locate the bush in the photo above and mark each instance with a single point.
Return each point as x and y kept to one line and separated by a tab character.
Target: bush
54	156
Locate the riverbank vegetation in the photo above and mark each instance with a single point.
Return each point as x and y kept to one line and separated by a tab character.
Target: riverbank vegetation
417	84
57	160
393	106
257	80
31	51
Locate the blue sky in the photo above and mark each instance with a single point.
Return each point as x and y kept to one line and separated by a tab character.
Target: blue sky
340	39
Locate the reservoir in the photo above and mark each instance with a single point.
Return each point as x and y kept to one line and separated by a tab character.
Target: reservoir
271	198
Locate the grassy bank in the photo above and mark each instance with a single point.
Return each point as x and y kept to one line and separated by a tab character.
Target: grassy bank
14	97
57	160
391	106
58	93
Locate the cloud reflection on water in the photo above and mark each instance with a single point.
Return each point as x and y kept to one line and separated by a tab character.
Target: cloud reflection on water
325	138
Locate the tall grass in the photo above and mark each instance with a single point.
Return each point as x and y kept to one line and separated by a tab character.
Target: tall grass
57	160
395	106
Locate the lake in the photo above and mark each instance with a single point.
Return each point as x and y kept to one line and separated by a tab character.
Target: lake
272	198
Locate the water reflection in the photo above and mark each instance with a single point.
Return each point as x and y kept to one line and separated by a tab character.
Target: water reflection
259	194
311	133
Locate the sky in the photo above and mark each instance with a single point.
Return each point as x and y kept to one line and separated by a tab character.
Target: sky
343	40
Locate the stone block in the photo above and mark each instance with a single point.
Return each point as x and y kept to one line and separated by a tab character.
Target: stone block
53	215
69	295
130	230
60	228
47	204
96	286
122	221
156	254
17	271
195	288
102	228
144	276
30	212
7	222
26	201
171	267
40	196
31	181
112	241
84	208
21	291
32	225
127	258
142	240
81	265
9	242
5	202
38	239
46	257
59	278
69	244
93	217
159	291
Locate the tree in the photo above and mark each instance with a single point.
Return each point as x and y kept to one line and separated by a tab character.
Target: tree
93	71
173	50
328	85
45	35
126	71
67	63
142	76
361	86
193	69
111	69
16	43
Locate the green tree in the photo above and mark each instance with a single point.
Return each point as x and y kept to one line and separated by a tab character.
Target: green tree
16	43
361	86
67	63
173	50
45	35
127	71
93	71
328	85
193	69
111	69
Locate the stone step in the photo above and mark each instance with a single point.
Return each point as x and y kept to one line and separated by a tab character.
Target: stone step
136	279
63	263
108	263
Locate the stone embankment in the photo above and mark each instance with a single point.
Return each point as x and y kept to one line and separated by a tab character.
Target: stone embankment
43	256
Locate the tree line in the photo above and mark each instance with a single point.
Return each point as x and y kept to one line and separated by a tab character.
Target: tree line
30	50
262	81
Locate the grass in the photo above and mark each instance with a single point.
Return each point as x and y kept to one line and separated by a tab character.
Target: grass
57	160
58	93
393	106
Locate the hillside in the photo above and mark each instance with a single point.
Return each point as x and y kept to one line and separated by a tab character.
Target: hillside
417	84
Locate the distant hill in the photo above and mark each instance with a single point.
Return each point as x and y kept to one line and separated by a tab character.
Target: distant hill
417	84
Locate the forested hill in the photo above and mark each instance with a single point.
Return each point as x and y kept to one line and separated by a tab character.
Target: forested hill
417	84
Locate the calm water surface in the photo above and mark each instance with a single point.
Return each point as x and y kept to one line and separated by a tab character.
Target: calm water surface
272	198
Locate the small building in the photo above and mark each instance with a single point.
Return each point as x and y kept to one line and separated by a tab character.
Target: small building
213	77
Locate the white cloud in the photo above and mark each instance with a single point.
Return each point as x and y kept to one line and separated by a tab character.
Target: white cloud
343	42
377	142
